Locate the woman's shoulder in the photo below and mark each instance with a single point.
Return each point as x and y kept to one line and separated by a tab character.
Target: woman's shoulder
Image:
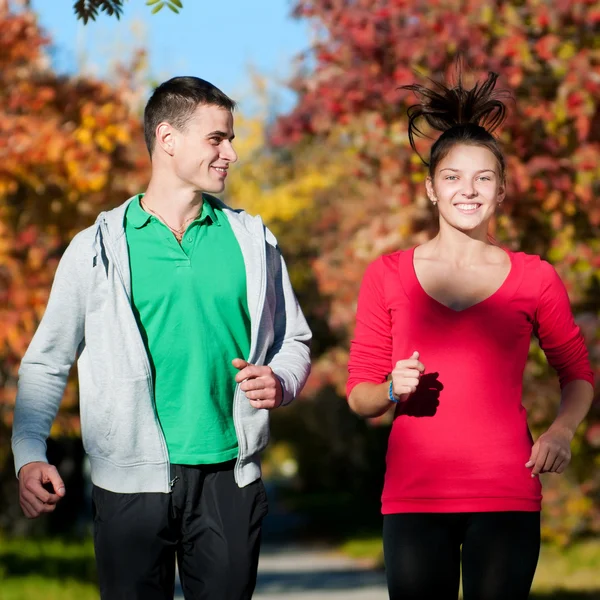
386	263
533	261
534	266
392	259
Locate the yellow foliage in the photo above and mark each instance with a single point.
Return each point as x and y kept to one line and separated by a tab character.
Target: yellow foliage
88	122
83	135
511	16
263	186
7	187
104	142
567	51
96	183
487	14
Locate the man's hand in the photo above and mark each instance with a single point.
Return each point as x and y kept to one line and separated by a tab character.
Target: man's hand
260	384
551	453
35	481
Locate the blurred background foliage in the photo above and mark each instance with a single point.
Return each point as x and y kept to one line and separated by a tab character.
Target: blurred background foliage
337	182
351	113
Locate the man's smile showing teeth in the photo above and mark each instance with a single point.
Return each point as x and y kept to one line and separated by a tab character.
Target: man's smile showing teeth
221	170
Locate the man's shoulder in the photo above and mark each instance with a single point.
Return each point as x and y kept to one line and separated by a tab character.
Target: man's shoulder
81	251
83	241
244	218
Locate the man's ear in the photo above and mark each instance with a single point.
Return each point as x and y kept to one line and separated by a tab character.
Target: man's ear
165	138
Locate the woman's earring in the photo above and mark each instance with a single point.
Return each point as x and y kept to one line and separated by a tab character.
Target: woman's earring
434	202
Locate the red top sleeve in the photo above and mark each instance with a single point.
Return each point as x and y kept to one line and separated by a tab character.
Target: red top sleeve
560	338
371	349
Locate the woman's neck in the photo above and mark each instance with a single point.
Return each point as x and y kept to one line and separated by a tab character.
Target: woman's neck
459	247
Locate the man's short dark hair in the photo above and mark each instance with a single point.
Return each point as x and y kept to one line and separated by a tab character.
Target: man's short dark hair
175	101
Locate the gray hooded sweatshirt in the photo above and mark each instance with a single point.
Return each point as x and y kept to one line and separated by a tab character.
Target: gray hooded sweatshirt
89	317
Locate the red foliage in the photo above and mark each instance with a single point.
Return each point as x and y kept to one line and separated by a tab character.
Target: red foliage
546	52
69	147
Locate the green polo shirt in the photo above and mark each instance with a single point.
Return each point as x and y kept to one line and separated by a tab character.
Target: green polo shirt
191	307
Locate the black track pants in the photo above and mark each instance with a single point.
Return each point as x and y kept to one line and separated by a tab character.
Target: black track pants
210	524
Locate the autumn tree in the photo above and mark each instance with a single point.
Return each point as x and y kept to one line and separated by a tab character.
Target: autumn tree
69	148
548	54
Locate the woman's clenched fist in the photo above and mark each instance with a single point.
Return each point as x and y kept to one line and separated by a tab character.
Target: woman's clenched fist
406	376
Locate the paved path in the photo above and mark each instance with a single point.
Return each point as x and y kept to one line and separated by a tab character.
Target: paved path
309	574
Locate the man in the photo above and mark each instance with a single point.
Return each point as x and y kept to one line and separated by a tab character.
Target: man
187	333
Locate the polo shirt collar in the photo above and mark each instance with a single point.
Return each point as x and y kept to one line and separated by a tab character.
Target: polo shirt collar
208	211
138	217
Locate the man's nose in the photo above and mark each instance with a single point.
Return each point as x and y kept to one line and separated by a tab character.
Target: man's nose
229	153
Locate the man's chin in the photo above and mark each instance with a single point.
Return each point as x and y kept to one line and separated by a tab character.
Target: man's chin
214	188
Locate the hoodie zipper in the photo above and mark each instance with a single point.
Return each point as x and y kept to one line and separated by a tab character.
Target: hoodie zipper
146	361
255	322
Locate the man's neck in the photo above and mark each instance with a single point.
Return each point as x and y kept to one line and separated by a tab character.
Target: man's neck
175	205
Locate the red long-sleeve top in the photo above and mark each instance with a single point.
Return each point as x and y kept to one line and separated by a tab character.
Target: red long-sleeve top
461	441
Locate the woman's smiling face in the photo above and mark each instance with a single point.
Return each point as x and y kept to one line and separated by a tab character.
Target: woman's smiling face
467	186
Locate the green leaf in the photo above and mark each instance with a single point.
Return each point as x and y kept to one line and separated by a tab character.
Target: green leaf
177	3
157	8
151	2
87	10
173	8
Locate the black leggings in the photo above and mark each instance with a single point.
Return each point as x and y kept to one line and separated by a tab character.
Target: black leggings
423	555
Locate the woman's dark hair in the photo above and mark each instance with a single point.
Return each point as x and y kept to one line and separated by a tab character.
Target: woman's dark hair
464	116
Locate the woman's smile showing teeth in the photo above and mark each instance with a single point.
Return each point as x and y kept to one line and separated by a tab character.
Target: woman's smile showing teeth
467	208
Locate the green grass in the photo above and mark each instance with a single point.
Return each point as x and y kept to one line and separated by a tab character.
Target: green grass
576	568
50	569
367	549
32	588
563	573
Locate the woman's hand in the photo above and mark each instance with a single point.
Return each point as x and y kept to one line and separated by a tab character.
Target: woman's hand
406	376
551	453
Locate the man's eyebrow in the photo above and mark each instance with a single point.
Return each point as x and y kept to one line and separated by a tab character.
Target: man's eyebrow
221	134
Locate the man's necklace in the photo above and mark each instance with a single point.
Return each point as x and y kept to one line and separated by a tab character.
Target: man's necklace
178	233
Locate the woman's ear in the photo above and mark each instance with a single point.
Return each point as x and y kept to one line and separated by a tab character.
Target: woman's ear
430	190
501	192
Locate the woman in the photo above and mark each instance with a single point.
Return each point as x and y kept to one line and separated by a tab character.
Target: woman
451	321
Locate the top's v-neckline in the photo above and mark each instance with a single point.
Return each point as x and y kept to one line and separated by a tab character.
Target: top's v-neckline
410	256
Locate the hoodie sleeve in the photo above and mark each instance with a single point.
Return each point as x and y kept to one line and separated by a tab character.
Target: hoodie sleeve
45	367
289	355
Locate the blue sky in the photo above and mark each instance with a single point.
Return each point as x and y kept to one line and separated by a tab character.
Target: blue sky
221	41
